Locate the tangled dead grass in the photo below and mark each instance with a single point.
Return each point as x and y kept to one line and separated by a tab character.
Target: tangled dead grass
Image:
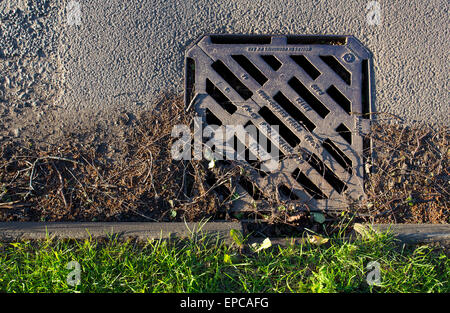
71	181
409	179
408	183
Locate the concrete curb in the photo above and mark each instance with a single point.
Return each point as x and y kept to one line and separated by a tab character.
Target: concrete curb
405	233
16	231
417	233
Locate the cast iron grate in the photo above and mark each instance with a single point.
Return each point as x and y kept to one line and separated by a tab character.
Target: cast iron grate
316	89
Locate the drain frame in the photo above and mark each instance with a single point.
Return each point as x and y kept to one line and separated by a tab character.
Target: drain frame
323	80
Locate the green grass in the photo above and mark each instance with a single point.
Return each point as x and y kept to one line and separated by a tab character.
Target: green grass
197	265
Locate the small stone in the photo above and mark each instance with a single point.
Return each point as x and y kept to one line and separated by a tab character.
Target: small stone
16	132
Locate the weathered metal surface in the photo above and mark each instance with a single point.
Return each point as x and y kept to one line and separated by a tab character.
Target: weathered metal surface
315	88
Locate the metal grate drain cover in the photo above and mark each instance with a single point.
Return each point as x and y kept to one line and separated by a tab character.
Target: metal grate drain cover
316	89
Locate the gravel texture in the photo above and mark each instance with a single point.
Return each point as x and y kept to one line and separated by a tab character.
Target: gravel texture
124	54
30	71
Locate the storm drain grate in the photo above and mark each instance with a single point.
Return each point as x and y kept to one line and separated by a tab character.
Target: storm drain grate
316	89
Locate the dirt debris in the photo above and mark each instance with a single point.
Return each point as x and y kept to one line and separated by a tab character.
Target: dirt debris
84	178
409	180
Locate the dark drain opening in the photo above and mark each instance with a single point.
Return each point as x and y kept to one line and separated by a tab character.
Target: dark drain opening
327	174
258	136
293	111
313	102
273	62
219	97
190	180
287	192
365	92
338	155
308	185
316	40
251	189
240	39
249	157
221	190
307	66
367	154
211	119
285	132
190	80
240	149
231	79
345	133
337	67
250	68
340	99
255	162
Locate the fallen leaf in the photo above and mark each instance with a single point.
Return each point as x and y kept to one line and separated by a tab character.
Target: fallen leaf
264	245
318	217
317	240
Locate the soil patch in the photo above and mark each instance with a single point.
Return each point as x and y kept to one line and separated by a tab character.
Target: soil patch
82	178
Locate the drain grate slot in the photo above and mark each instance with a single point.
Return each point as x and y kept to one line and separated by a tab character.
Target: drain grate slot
316	40
340	99
338	155
272	61
327	174
251	189
303	92
307	66
223	191
211	118
293	111
308	185
240	40
287	193
367	154
231	79
345	133
300	85
219	97
285	132
250	68
260	138
190	80
250	158
338	68
365	92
